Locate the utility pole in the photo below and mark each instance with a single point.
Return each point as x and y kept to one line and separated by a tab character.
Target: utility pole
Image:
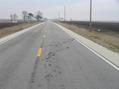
90	24
11	17
64	13
58	15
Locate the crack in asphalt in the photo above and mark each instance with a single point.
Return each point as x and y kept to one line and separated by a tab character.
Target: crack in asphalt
50	55
53	53
54	75
32	80
55	71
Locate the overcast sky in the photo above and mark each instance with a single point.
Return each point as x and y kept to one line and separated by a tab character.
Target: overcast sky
103	10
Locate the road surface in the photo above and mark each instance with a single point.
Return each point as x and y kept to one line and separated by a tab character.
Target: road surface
60	63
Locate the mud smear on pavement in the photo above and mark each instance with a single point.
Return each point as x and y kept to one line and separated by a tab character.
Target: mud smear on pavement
60	44
54	77
50	55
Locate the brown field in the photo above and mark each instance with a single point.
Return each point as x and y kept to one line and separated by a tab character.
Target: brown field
108	39
9	30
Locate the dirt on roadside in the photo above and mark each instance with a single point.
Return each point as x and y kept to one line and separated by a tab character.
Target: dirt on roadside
108	39
9	30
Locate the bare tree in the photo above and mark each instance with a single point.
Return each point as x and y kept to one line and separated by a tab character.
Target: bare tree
30	15
14	17
25	15
11	17
39	16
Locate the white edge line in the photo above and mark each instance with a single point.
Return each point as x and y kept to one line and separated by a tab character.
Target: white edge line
99	55
14	35
92	50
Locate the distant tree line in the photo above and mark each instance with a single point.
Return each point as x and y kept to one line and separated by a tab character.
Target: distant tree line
27	17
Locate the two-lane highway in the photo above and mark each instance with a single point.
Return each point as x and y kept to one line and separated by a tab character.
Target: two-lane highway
48	58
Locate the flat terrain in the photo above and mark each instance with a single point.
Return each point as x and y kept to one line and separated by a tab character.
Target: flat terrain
10	30
64	63
110	26
108	38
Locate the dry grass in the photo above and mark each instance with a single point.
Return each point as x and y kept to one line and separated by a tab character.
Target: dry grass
107	39
9	30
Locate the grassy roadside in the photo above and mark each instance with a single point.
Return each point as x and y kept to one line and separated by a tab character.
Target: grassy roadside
108	39
9	30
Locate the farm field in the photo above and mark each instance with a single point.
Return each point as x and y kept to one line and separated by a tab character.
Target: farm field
9	28
114	26
107	37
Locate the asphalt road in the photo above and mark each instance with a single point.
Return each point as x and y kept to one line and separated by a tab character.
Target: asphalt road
64	63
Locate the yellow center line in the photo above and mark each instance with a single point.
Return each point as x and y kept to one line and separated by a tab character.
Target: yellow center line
39	53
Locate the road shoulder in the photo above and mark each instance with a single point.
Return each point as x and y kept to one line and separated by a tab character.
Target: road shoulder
14	35
107	55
